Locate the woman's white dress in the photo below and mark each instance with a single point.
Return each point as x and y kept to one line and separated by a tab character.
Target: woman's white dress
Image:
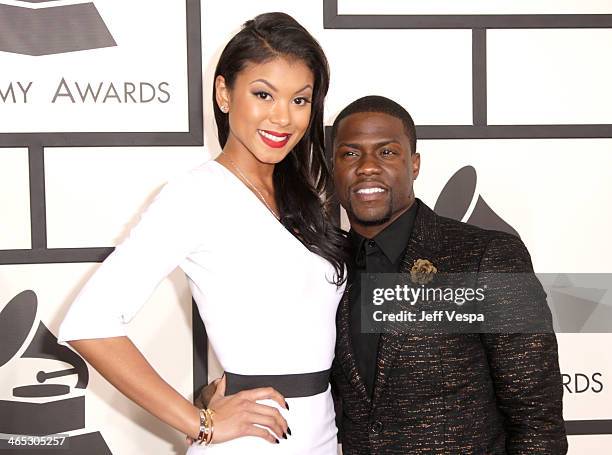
267	302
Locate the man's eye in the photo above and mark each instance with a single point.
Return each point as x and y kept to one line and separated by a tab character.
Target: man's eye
387	152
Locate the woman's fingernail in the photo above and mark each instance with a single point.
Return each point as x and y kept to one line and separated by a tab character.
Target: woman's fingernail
276	441
287	405
284	436
289	431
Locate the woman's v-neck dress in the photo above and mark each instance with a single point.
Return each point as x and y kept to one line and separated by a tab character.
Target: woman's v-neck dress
268	303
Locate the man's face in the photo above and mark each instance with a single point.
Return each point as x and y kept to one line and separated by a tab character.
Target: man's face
374	169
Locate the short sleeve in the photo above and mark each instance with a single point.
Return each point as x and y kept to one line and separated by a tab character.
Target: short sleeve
162	239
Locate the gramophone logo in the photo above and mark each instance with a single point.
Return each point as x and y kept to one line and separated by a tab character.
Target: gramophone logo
577	301
43	408
458	196
41	27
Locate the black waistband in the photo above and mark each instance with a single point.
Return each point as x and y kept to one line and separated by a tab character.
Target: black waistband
289	385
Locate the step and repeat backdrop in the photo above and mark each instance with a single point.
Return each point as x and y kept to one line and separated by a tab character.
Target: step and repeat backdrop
102	102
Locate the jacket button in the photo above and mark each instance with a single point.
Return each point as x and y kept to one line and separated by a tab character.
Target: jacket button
376	427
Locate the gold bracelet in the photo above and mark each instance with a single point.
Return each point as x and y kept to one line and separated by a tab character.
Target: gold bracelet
203	428
210	426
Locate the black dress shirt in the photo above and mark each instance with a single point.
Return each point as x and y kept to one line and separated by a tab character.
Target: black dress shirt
382	254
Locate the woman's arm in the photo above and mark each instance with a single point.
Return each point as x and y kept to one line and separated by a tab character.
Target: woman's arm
124	366
120	362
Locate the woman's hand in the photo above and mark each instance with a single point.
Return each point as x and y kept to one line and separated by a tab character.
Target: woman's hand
237	415
206	394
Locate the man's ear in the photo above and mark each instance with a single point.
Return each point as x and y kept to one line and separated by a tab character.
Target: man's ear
222	92
416	164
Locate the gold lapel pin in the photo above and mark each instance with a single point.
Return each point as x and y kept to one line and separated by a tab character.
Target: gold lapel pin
422	271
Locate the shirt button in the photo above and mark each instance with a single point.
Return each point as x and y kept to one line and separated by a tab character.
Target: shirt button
376	427
371	243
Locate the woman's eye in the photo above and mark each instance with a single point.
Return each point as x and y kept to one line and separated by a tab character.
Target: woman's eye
262	95
301	101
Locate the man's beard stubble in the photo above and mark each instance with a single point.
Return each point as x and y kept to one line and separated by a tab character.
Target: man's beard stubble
375	222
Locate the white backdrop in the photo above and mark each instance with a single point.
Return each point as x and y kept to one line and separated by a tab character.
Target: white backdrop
554	192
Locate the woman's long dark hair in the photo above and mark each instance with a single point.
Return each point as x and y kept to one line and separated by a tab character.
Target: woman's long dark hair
302	182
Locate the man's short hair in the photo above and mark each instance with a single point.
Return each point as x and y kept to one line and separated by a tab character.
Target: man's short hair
379	104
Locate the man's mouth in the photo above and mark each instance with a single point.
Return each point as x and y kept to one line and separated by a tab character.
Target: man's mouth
274	139
370	191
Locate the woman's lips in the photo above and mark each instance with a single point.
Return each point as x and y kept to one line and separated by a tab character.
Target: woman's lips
274	139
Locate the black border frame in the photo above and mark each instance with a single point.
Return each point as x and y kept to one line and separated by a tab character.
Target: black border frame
480	129
36	142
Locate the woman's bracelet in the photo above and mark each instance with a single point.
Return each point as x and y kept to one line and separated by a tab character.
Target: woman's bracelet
206	427
211	428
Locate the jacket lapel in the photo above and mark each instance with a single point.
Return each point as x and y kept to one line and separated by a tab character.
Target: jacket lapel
422	245
345	352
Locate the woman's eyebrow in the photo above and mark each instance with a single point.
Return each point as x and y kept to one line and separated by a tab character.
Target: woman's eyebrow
265	82
307	86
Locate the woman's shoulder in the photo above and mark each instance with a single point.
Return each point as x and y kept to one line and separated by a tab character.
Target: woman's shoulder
201	191
208	169
198	181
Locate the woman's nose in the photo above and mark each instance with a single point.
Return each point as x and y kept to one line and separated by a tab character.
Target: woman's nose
280	114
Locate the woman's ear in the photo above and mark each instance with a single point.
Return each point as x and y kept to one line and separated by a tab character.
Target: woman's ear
222	94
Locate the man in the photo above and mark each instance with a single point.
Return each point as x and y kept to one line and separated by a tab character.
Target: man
402	393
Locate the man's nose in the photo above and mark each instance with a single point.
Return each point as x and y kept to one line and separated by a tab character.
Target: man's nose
368	164
280	114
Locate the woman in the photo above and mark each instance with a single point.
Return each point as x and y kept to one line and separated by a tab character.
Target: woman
264	263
